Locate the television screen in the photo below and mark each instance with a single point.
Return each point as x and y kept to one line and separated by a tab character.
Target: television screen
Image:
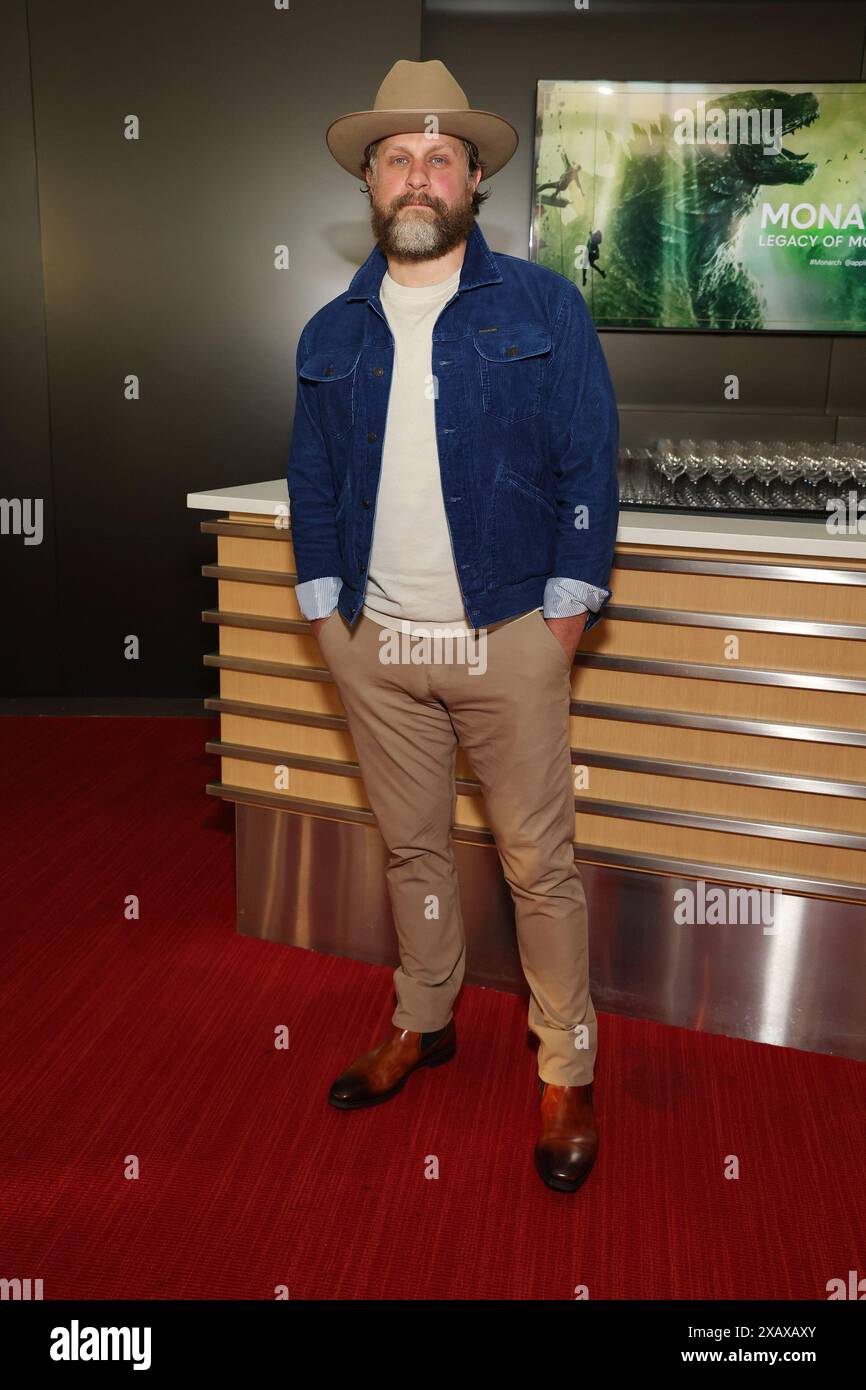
717	207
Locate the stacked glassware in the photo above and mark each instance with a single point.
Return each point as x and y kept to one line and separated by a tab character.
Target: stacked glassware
736	476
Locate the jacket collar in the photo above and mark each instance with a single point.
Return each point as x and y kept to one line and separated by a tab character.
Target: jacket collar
479	268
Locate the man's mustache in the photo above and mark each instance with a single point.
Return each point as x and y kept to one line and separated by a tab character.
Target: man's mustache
417	202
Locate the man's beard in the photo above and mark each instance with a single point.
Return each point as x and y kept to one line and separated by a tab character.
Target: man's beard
420	236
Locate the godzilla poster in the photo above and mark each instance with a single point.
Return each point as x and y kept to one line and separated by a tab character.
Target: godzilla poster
718	207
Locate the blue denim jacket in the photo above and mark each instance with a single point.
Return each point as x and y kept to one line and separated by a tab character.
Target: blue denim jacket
527	433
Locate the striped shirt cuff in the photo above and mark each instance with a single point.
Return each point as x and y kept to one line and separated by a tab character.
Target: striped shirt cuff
318	597
563	598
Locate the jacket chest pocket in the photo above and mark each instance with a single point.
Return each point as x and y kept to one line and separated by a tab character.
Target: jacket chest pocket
332	374
512	359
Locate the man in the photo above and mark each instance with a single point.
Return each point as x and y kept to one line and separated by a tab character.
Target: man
453	478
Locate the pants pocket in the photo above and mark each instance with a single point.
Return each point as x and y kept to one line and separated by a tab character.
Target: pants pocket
549	637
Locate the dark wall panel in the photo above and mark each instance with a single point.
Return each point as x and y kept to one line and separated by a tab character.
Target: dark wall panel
158	263
31	657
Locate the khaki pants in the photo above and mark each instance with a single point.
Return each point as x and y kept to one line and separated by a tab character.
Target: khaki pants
511	715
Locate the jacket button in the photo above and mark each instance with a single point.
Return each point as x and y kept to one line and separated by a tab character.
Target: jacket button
512	350
329	371
378	371
371	439
366	502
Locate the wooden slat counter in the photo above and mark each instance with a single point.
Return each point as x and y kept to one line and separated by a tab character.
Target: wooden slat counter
718	713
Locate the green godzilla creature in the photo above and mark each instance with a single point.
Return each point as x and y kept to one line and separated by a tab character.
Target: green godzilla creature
669	246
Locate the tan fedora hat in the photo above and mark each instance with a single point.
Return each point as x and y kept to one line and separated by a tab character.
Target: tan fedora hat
410	94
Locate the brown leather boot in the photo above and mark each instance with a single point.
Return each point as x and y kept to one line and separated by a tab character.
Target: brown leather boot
568	1142
380	1074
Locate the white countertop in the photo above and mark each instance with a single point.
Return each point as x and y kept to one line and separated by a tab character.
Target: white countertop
771	534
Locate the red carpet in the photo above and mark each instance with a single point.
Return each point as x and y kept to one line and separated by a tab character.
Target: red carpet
154	1038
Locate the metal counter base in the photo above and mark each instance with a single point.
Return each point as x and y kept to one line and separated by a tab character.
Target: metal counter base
313	881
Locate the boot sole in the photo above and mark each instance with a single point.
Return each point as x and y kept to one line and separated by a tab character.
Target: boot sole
362	1104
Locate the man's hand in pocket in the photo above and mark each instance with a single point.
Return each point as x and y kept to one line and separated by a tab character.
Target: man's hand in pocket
568	632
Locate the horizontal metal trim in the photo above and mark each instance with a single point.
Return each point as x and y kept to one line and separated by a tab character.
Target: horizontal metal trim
281	801
728	825
737	675
590	854
285	670
248	576
626	714
623	559
259	531
708	772
300	626
720	723
675	617
795	680
789	884
796	574
333	767
276	758
699	772
275	712
308	762
685	617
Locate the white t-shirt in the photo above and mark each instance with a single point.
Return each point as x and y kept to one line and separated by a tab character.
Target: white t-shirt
412	579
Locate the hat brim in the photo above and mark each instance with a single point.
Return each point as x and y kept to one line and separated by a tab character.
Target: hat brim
348	136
